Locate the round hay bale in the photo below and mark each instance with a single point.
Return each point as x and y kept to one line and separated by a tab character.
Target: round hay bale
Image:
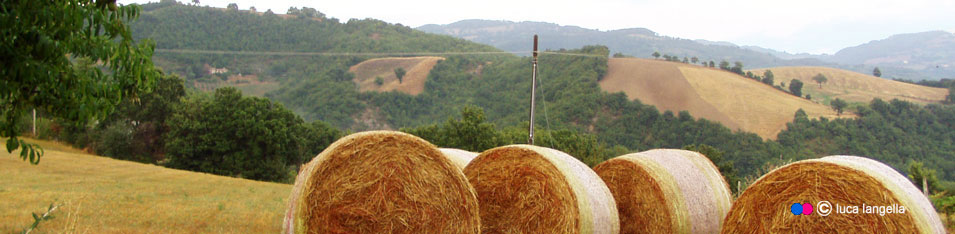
382	182
667	191
530	189
460	158
768	206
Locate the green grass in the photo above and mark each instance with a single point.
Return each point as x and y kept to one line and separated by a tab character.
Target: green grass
102	195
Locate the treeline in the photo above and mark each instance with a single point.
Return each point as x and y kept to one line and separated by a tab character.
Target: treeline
222	133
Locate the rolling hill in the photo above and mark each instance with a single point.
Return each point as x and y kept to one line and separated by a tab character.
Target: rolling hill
104	195
855	87
640	42
734	101
412	83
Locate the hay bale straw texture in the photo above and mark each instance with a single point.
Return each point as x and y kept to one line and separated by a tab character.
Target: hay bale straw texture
667	191
382	182
531	189
460	158
842	181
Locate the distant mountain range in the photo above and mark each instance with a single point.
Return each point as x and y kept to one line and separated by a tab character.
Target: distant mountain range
916	56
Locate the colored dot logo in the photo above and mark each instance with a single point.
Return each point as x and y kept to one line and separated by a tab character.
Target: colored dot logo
801	209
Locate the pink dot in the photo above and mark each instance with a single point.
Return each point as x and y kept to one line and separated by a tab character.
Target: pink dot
807	209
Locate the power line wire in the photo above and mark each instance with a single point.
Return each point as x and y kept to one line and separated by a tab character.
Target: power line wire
293	53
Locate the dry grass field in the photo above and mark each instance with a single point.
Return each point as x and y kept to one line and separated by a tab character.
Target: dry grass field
102	195
734	101
855	87
413	82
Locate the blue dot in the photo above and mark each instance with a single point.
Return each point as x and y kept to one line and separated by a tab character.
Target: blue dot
796	209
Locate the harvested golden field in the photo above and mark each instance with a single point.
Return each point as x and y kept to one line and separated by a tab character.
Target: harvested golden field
103	195
412	83
853	86
736	102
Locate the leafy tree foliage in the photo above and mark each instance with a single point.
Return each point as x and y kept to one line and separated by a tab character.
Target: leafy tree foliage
795	87
876	72
229	134
42	44
656	54
917	173
400	73
839	105
769	74
819	78
769	80
135	130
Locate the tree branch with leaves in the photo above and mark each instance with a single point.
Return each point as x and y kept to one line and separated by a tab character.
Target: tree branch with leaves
74	60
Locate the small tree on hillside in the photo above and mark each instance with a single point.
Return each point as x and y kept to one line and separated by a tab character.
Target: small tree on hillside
795	87
712	64
656	54
876	72
819	78
379	81
768	74
233	7
737	68
725	65
694	60
686	60
839	105
400	73
769	80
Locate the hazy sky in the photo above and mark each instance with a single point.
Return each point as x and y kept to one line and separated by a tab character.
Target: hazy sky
812	26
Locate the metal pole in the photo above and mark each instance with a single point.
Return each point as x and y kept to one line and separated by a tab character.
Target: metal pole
34	122
530	139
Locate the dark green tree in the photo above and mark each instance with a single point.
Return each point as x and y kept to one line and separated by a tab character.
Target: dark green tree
656	55
839	105
769	80
143	120
233	7
819	78
768	74
42	44
725	65
472	132
400	73
379	81
795	87
876	72
737	68
712	64
228	134
317	136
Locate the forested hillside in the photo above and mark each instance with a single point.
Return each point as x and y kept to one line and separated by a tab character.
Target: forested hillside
307	56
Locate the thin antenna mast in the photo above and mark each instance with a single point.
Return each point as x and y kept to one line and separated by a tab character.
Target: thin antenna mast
530	139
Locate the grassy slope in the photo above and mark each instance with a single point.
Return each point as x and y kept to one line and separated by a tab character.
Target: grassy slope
855	87
103	195
734	101
412	83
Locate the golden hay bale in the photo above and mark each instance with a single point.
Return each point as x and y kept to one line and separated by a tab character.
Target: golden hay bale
767	206
667	191
460	158
382	182
530	189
